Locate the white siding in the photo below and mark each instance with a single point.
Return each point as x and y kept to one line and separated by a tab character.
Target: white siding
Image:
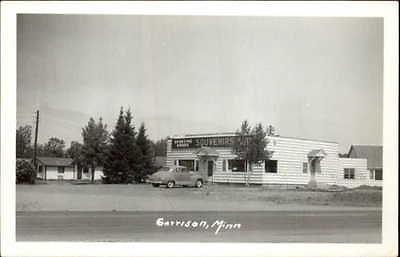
69	174
52	173
361	173
98	173
290	154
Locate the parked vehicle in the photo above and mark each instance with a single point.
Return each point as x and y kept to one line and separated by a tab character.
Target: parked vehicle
176	175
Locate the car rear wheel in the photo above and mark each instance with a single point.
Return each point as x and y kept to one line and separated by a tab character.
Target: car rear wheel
170	184
199	183
155	185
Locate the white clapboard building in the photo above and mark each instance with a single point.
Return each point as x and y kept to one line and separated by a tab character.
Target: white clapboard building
54	168
294	161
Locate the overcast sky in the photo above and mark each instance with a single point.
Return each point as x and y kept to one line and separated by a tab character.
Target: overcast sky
318	78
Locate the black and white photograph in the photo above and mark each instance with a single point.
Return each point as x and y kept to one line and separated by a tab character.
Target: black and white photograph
191	128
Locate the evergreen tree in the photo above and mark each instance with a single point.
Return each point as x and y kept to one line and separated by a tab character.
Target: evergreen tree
95	138
160	147
147	154
123	158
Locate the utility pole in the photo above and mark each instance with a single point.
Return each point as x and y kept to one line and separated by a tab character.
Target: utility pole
36	136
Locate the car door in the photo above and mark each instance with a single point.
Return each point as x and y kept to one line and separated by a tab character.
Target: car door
186	176
181	176
178	176
193	177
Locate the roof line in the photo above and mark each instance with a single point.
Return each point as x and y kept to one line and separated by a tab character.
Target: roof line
233	133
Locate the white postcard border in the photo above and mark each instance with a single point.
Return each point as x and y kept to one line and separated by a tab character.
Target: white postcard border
387	10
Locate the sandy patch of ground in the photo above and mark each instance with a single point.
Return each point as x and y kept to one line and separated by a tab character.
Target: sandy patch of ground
143	197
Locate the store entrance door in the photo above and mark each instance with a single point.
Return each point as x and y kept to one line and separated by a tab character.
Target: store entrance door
207	157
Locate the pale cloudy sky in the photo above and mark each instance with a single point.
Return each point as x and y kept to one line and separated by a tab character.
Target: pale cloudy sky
318	78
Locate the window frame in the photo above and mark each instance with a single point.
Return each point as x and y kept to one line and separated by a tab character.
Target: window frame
268	170
372	174
349	173
192	168
230	165
380	177
60	169
305	167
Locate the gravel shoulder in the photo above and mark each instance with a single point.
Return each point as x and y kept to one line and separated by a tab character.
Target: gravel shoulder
143	197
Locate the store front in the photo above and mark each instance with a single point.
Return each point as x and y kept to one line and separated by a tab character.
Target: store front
294	161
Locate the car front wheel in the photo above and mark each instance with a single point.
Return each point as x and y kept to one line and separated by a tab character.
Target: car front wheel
170	184
199	183
155	185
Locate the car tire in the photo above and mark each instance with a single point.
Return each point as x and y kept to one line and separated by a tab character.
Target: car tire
155	185
170	184
199	183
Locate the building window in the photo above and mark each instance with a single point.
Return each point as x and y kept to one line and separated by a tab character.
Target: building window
305	167
223	165
349	173
189	164
60	170
378	174
237	165
271	166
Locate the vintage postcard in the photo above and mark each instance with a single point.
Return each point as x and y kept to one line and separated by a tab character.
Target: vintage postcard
199	129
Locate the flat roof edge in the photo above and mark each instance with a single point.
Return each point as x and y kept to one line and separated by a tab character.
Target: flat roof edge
233	133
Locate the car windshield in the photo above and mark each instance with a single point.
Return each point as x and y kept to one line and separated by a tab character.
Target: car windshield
164	169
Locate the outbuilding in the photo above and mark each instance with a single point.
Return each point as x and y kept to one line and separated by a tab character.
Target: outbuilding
55	168
373	154
364	163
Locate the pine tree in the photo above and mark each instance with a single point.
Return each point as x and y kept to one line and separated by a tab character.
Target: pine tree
123	158
147	154
160	147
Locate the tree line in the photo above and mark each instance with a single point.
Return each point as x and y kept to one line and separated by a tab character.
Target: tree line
126	154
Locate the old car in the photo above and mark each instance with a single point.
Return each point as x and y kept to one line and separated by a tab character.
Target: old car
175	175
